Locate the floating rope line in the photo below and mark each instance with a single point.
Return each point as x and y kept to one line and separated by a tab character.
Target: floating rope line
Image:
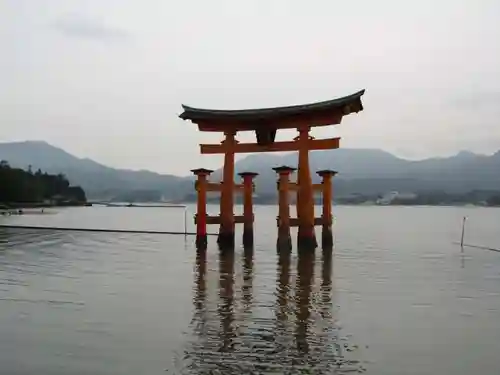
477	247
462	244
102	230
138	205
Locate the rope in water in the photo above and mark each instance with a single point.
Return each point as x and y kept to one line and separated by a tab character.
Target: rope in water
101	230
477	247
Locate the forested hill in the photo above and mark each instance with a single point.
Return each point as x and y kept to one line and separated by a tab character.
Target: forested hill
25	186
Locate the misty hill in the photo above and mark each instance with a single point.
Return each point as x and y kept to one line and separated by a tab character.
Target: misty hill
371	171
99	181
362	171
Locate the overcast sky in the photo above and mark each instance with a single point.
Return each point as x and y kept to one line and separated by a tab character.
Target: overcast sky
105	79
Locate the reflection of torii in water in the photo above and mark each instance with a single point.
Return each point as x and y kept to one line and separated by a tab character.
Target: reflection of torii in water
207	352
225	308
317	352
247	342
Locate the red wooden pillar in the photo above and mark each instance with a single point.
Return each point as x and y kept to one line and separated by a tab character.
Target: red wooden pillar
306	237
248	207
201	211
226	230
284	242
326	234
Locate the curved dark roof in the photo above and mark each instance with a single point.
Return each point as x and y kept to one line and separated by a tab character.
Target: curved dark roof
284	168
354	100
326	172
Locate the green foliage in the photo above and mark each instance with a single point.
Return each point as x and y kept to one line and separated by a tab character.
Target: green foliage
20	186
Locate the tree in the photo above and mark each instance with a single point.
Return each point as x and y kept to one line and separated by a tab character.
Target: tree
20	186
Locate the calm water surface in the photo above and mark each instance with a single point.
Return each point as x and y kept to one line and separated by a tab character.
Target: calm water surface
396	297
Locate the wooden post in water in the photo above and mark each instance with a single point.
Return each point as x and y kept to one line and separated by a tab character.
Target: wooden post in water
284	241
463	234
201	211
248	217
226	231
306	237
326	233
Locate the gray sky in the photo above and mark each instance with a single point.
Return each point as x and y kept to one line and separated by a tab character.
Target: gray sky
105	79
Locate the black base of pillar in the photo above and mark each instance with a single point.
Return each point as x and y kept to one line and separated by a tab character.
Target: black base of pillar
225	240
306	243
327	238
284	243
247	237
201	241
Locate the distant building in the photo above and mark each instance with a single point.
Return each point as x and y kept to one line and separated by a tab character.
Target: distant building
391	196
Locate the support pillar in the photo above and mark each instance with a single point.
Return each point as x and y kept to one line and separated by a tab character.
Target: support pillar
248	217
306	238
226	230
201	211
284	241
326	233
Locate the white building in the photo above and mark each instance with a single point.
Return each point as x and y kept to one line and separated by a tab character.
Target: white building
389	197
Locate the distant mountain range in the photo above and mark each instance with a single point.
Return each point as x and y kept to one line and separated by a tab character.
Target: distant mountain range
362	171
98	181
372	171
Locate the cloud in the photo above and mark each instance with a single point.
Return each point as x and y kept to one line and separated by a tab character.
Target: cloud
89	28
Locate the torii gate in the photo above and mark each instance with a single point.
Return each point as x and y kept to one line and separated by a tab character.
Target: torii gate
265	123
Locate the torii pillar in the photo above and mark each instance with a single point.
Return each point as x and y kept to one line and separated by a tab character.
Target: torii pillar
226	230
306	237
201	212
248	218
284	241
327	219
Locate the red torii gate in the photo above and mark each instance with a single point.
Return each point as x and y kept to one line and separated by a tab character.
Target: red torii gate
265	123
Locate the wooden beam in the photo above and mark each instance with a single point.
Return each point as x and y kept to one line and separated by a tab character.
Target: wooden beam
294	222
312	144
217	220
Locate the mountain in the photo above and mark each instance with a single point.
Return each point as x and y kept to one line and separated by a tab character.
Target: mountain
98	181
350	163
371	171
361	171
